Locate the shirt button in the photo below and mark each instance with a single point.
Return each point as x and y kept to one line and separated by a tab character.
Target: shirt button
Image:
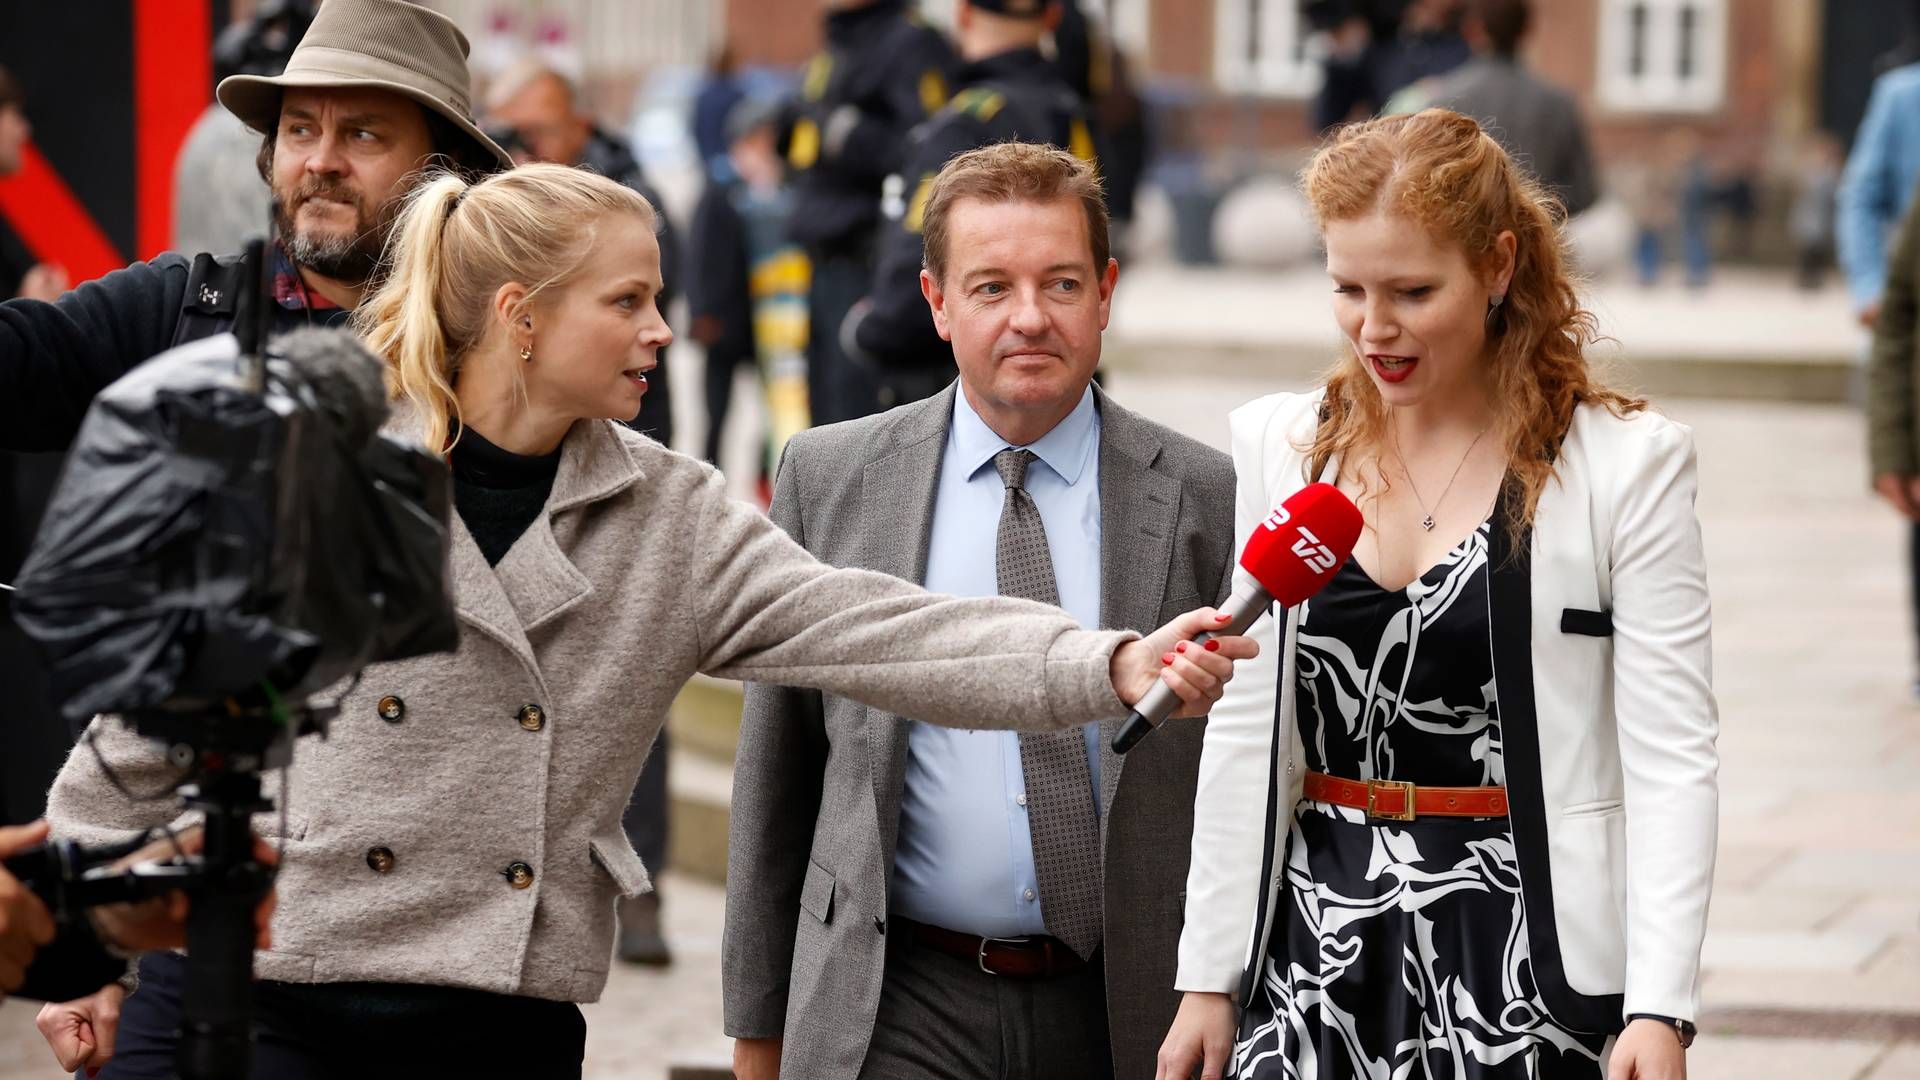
391	709
380	859
519	875
532	717
1028	894
1020	799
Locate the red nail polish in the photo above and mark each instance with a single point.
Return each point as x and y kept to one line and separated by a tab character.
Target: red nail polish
1182	647
1166	658
1222	617
1213	646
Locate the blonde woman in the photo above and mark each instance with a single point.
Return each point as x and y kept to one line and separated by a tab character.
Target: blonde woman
1463	807
454	847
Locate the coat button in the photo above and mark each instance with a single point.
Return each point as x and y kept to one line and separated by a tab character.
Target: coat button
532	717
519	875
391	709
380	859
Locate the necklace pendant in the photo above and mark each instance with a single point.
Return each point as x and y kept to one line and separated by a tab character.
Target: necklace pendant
1427	523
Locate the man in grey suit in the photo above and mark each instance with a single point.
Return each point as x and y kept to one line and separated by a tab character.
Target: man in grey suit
1537	122
903	902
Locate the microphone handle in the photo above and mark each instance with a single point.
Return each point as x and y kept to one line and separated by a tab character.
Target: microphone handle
1244	607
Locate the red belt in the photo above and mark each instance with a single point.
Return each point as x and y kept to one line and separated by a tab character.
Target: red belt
1015	958
1399	800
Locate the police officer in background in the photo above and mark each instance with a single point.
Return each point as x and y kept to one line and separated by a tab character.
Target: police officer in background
882	72
1010	90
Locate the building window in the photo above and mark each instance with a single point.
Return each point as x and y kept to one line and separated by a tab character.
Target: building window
1263	47
1663	55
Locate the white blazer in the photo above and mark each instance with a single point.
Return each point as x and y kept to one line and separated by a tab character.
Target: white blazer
1602	642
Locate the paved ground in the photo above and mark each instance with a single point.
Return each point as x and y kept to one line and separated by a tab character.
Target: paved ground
1814	952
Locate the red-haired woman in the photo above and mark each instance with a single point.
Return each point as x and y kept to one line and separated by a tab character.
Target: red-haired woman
1464	812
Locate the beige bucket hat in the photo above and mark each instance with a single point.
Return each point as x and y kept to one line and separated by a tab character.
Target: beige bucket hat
379	44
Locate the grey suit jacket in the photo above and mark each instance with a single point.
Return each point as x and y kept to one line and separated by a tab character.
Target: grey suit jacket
817	782
1537	122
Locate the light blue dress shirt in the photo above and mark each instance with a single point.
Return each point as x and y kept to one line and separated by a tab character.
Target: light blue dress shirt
1879	180
964	859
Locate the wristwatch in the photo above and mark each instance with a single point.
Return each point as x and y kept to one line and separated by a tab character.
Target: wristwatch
1684	1029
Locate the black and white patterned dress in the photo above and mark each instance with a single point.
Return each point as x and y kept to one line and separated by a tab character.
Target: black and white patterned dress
1399	949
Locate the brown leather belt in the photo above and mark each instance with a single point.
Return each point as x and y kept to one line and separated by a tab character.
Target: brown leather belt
1399	800
1039	957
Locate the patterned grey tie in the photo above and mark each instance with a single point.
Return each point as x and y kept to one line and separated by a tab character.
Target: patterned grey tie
1060	811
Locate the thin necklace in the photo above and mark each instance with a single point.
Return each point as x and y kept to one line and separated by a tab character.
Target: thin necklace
1427	521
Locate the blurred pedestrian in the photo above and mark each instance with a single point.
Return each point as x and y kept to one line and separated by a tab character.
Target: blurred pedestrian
1018	884
719	93
1093	64
1893	428
881	73
1537	122
747	294
219	200
1380	48
541	105
1010	92
1810	220
1879	180
1458	818
1670	198
19	274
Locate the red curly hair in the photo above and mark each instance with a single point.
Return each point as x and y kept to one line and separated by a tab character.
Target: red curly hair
1439	169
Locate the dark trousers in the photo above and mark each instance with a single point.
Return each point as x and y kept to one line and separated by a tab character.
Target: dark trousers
942	1018
837	387
645	819
325	1032
721	365
1913	583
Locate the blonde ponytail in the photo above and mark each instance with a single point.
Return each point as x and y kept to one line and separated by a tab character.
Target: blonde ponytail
400	321
453	247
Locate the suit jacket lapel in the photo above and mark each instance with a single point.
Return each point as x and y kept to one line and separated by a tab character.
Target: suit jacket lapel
1139	511
896	504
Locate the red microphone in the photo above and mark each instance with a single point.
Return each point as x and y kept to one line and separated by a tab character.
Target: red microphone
1291	555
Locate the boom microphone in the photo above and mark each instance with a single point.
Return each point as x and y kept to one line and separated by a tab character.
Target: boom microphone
1290	556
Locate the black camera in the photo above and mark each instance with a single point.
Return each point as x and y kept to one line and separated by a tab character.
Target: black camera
233	536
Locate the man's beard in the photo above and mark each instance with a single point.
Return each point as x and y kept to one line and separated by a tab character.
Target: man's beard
351	258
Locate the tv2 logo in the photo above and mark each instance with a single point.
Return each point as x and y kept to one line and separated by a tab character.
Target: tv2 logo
1318	556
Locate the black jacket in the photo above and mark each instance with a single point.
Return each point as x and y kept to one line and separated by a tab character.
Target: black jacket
53	359
1013	95
882	72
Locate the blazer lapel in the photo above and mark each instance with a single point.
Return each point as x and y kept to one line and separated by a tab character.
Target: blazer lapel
479	600
896	510
537	580
538	575
1139	512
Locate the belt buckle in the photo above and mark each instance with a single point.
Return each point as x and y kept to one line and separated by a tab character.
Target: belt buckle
981	958
1373	791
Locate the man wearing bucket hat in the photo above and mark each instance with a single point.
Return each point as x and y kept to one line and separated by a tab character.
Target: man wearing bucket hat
376	90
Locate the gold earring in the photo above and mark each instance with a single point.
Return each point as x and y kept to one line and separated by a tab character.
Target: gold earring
526	354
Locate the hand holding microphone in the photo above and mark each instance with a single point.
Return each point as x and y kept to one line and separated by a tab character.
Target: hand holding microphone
1290	556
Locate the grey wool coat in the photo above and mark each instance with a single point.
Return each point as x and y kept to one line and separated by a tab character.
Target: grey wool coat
818	778
638	573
